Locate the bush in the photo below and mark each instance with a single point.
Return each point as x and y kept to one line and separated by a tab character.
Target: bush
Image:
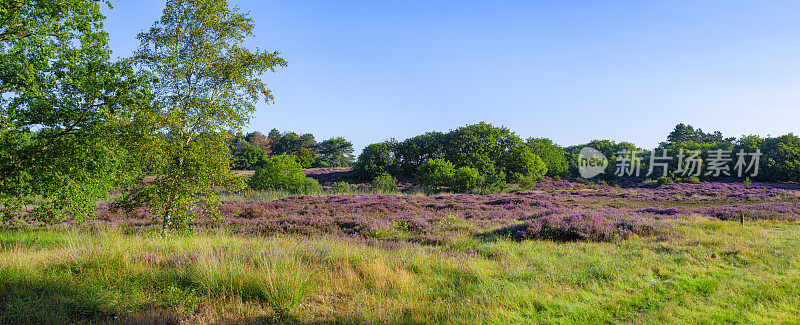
692	180
465	179
309	186
435	173
384	183
664	181
341	187
492	182
527	181
282	173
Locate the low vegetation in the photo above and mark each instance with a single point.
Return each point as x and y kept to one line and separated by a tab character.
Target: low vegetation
714	271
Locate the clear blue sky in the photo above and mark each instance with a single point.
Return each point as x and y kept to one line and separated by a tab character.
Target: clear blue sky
571	71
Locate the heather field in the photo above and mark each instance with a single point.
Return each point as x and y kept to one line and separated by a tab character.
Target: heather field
563	251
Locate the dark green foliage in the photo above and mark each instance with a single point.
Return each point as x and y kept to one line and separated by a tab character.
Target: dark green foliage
282	173
246	156
522	165
781	159
488	149
609	148
376	159
65	109
492	182
412	152
686	133
553	156
493	151
335	152
290	143
465	179
435	173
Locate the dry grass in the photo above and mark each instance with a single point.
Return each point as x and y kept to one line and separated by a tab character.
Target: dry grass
717	272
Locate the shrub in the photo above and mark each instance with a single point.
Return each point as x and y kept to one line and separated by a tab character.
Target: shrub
527	181
650	183
283	173
384	183
435	172
309	186
663	180
692	180
492	182
341	187
465	179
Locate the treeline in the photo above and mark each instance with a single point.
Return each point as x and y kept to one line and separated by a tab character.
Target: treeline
479	156
482	156
250	151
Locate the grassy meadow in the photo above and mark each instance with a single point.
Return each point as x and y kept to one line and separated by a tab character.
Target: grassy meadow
712	272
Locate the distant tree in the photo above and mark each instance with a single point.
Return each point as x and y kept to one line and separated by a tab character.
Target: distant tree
492	150
274	135
208	85
307	141
335	152
681	133
412	152
65	109
376	159
307	158
686	133
553	156
610	149
260	141
781	158
246	156
289	143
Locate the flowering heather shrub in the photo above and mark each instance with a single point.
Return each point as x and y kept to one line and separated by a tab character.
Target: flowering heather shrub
331	174
582	227
553	210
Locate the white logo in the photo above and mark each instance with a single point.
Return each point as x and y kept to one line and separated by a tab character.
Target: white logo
591	162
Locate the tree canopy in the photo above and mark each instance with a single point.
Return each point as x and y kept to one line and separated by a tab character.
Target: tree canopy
208	84
63	106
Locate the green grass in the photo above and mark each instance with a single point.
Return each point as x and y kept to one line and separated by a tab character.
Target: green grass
716	272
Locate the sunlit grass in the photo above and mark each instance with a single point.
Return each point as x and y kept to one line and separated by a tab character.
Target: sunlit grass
718	272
